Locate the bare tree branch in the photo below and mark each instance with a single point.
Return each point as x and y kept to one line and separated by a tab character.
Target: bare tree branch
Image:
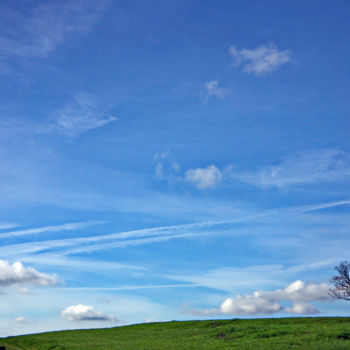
341	282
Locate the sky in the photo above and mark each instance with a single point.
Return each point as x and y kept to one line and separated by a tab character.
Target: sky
171	160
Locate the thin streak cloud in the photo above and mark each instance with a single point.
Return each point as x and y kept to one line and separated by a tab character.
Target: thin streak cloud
157	234
57	228
159	286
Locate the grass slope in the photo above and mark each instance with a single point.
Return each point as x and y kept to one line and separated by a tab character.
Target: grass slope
284	333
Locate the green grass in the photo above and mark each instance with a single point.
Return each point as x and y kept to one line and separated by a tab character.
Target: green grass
284	333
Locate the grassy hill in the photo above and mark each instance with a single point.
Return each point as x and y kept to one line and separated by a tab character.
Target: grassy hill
284	333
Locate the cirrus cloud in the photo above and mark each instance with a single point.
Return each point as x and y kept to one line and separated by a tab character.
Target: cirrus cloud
82	115
314	166
37	31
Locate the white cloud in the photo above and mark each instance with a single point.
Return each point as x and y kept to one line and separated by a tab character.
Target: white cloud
159	170
82	115
162	155
249	305
325	165
204	177
261	302
175	166
19	274
37	31
25	291
212	88
263	59
21	320
302	291
166	167
85	313
301	308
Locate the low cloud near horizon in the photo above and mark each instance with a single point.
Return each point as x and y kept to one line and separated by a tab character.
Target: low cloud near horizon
85	313
265	303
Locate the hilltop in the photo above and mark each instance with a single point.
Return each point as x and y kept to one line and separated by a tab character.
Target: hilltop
282	333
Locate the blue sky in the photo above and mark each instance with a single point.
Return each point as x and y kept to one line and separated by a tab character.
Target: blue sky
171	160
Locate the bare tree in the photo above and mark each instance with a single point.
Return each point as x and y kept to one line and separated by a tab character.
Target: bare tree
341	282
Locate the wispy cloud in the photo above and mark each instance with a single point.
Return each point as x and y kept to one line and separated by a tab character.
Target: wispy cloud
82	115
116	240
62	261
235	279
157	286
57	228
129	242
213	89
7	226
85	244
85	313
37	31
165	165
264	59
150	235
204	178
325	205
261	302
326	165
